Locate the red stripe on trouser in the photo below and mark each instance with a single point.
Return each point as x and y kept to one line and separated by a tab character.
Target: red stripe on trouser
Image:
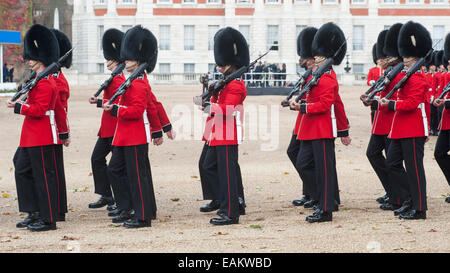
325	162
417	174
57	178
139	181
228	181
46	184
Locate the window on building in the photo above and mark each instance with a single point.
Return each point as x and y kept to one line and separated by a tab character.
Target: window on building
301	1
358	1
164	37
164	1
358	68
272	35
164	68
298	29
214	1
358	37
211	68
189	1
389	1
127	1
244	1
100	1
189	37
211	32
245	30
101	68
272	1
437	1
438	37
125	28
189	68
100	31
414	1
329	1
387	27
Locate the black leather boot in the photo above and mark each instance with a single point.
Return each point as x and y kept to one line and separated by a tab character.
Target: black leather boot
101	202
414	215
447	199
319	217
300	202
211	206
122	217
406	206
40	225
389	206
30	219
135	223
224	220
383	199
310	204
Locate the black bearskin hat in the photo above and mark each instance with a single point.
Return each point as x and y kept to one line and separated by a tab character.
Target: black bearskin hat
64	46
414	40
380	44
40	44
304	42
374	54
328	39
437	57
230	47
447	49
111	43
390	42
139	44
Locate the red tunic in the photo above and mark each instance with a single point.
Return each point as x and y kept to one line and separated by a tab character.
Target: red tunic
109	122
161	112
382	121
228	115
38	109
374	74
131	129
410	118
317	122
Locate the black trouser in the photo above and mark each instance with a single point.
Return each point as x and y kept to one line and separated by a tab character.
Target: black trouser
128	169
221	164
440	109
410	151
36	184
99	167
372	114
434	118
293	152
210	181
441	153
317	162
60	179
374	153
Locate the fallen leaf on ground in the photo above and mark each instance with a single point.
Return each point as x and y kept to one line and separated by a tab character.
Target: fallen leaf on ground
376	228
286	172
90	174
6	213
68	238
194	176
83	215
5	195
432	230
221	233
255	226
175	199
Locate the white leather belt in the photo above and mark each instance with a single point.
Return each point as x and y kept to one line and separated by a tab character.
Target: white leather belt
333	121
147	126
237	116
51	115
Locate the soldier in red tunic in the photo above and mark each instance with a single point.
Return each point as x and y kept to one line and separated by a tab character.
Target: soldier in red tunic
35	170
225	127
111	41
319	125
62	122
134	130
443	142
409	130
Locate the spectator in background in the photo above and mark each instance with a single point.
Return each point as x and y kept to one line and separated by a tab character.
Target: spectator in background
11	74
265	76
258	69
283	74
5	73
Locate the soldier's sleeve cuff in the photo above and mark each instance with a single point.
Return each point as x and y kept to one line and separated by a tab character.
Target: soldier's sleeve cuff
115	110
167	128
303	108
63	136
375	105
447	104
343	133
157	134
18	108
391	105
100	103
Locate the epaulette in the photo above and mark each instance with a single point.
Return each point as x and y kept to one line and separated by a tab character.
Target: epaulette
140	77
56	74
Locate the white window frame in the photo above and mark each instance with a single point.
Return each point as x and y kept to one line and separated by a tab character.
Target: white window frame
184	38
330	2
164	64
184	68
98	3
100	68
389	3
160	39
100	33
440	45
249	32
189	3
275	2
164	2
211	36
244	2
216	2
301	2
414	3
438	3
122	2
363	38
361	65
363	2
277	38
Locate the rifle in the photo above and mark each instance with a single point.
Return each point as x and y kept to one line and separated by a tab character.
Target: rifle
106	83
124	86
296	88
379	80
318	73
215	87
411	71
53	68
389	77
445	91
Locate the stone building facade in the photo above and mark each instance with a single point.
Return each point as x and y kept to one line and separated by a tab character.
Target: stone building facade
185	28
